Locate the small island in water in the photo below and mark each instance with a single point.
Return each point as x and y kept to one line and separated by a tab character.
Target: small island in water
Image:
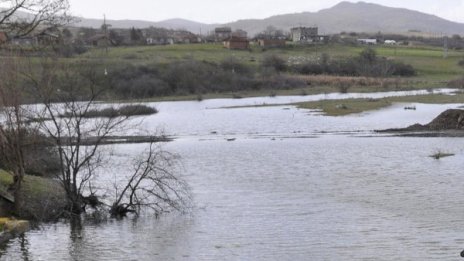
449	123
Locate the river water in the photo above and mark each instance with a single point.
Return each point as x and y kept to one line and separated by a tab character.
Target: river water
293	185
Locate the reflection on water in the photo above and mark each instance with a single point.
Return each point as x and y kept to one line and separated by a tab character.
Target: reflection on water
275	194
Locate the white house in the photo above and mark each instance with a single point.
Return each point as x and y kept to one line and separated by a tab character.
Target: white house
367	41
390	42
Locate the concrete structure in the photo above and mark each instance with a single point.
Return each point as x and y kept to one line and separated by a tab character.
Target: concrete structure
48	38
24	41
222	33
240	33
272	43
237	43
390	42
367	41
305	34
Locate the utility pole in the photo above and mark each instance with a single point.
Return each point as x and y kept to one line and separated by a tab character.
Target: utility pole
105	31
445	47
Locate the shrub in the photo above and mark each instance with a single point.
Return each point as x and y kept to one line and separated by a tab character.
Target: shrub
275	62
189	77
39	158
310	68
233	65
138	82
401	69
457	83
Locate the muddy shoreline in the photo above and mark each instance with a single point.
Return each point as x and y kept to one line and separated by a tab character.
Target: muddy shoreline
449	123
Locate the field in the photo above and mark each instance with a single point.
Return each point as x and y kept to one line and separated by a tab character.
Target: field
432	68
428	61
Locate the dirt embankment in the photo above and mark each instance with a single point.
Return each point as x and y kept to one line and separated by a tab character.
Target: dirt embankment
450	121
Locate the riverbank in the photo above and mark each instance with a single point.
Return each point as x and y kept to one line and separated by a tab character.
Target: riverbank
350	106
41	199
313	85
208	71
10	228
449	123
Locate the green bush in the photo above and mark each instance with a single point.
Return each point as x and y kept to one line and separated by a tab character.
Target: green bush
275	62
461	63
366	64
401	69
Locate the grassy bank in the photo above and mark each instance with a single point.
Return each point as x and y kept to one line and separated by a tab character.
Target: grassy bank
349	106
433	70
41	198
204	71
428	61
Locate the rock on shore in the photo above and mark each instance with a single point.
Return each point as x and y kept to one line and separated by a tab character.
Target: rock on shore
449	120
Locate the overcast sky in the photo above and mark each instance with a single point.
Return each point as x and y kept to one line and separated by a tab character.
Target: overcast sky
219	11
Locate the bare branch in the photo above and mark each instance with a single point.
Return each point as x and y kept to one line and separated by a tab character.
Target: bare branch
153	184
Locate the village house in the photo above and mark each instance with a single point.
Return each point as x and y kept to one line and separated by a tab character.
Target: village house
237	43
367	41
163	36
305	34
100	40
185	37
24	41
240	33
390	42
48	38
222	33
271	43
158	36
123	35
159	41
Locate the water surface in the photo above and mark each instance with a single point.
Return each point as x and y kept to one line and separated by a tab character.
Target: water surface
293	185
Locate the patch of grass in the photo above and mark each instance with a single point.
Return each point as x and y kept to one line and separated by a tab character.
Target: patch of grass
349	106
126	111
34	185
430	98
440	154
41	198
5	178
345	107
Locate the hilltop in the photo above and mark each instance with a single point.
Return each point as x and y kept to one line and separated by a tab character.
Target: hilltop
177	23
357	17
345	16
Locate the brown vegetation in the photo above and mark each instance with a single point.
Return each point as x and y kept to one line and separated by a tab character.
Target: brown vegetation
332	80
452	119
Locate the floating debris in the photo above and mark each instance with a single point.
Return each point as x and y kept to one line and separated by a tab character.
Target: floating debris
440	155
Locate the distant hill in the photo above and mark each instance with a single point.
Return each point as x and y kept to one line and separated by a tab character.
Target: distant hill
356	17
191	26
345	16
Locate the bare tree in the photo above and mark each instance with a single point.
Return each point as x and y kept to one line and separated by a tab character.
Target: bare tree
67	99
153	184
12	129
76	137
21	17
